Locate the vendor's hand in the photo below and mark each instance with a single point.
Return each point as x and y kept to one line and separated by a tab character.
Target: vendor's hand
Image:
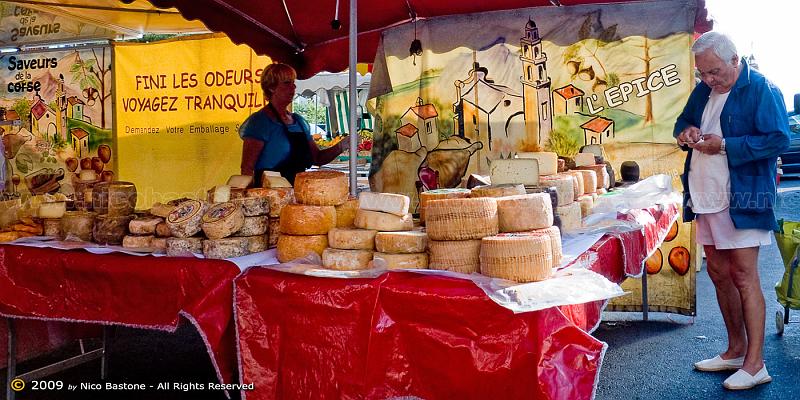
710	144
689	136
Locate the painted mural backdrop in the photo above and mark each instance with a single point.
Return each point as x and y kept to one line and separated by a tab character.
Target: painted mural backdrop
56	119
454	94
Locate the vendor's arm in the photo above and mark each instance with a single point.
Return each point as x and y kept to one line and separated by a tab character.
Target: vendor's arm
772	126
251	149
324	156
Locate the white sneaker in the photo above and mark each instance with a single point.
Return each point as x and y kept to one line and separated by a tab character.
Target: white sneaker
719	364
741	380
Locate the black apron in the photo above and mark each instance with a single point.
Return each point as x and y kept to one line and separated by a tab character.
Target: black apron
299	158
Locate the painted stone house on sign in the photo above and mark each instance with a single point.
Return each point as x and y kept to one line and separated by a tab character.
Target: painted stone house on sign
408	138
80	142
423	117
598	129
568	100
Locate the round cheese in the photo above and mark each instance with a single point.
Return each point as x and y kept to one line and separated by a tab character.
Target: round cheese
77	225
352	239
52	227
401	242
548	161
497	190
114	198
228	247
222	220
600	173
144	225
159	245
274	231
520	257
257	243
253	226
321	188
587	202
186	219
400	261
292	247
346	213
578	185
52	210
458	256
462	219
161	210
346	260
570	216
524	212
253	206
276	197
379	221
564	184
181	247
589	180
138	242
555	243
439	194
110	229
162	230
301	219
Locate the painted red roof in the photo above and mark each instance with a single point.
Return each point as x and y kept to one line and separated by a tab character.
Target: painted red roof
79	133
425	111
569	91
407	130
597	124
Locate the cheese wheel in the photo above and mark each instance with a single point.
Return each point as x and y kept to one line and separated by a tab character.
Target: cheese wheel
455	255
52	210
565	187
144	225
589	180
582	159
555	243
253	226
520	257
548	161
578	185
162	230
600	173
346	260
514	170
110	229
587	202
52	227
301	219
346	213
228	247
181	247
384	222
186	219
219	194
161	210
138	242
439	194
497	190
114	198
240	181
159	245
222	220
292	247
462	219
321	188
400	261
274	231
352	239
257	243
570	216
401	242
277	198
391	203
77	225
524	212
253	206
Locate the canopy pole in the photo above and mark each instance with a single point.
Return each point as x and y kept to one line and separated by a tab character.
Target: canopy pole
354	139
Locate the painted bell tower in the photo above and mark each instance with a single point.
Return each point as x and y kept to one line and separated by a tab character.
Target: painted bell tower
536	87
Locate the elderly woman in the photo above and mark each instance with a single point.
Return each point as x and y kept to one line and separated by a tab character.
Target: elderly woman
276	139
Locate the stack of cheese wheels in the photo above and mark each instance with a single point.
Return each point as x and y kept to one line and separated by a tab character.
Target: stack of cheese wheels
219	222
530	213
51	214
387	213
77	225
142	232
438	194
256	222
520	257
304	227
114	204
277	198
455	228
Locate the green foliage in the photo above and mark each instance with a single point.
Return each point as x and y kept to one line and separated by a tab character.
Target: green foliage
612	79
312	113
23	107
561	143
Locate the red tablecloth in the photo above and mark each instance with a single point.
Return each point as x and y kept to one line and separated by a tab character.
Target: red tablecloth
434	337
119	289
35	338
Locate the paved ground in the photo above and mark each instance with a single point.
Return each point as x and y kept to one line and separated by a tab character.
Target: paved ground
645	360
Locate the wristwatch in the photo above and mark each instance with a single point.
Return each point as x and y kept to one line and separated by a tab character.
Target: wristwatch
722	147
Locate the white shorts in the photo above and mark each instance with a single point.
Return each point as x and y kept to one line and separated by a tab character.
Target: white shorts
717	230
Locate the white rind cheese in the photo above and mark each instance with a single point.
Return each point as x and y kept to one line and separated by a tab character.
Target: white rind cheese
240	181
524	212
548	161
391	203
346	260
570	216
401	242
514	171
274	180
186	219
565	187
352	239
52	210
301	219
225	247
182	247
400	261
458	255
462	219
292	247
219	194
520	257
383	222
321	188
222	220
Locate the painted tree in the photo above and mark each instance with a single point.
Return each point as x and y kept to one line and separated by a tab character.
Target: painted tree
581	57
647	58
91	76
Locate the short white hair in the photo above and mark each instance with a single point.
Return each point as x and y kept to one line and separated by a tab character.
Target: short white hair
720	43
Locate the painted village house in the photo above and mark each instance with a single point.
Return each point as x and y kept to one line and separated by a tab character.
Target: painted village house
598	130
44	120
80	142
567	100
408	138
423	117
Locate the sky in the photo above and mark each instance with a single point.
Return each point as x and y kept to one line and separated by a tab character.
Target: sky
768	29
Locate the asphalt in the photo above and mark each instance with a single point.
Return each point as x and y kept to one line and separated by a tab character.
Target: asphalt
644	360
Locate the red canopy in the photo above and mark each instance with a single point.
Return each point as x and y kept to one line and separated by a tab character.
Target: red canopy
299	33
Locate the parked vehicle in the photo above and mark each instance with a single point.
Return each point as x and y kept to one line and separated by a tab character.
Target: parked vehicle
790	160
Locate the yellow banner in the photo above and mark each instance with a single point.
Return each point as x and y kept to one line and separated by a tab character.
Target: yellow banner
178	108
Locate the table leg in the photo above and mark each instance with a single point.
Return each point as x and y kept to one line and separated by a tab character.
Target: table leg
11	370
644	295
